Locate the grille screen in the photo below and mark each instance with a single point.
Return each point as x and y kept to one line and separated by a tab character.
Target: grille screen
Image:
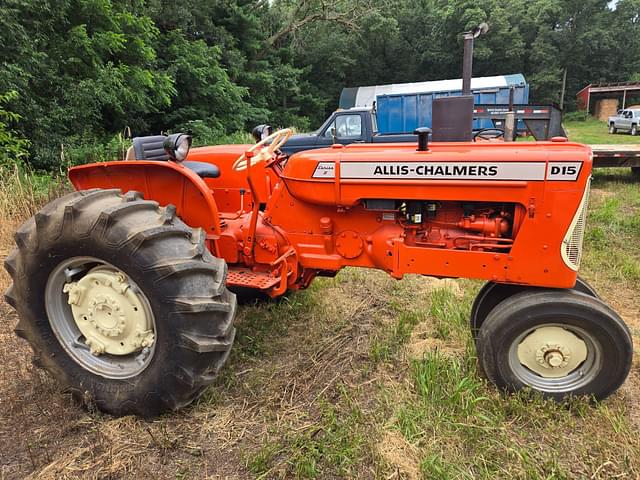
572	243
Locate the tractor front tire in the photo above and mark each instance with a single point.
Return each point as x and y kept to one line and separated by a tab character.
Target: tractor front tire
559	343
491	294
154	296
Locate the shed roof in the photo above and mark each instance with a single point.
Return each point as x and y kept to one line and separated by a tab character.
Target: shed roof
615	87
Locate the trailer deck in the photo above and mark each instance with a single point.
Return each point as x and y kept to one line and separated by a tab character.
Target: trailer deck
616	155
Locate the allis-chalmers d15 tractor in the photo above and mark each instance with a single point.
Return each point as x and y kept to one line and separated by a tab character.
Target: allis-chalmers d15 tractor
123	288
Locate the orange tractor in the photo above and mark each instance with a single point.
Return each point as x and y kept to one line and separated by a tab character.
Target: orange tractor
124	287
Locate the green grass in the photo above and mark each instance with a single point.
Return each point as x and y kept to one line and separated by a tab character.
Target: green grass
592	131
613	234
333	443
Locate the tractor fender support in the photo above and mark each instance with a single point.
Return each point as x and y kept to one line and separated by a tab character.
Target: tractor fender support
167	183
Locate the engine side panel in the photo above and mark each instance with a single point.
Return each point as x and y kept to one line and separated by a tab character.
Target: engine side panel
502	210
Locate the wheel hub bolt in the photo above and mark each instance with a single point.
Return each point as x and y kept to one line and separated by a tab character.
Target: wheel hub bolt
554	358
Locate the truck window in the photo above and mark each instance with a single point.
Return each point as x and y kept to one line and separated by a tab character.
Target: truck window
328	133
349	126
346	126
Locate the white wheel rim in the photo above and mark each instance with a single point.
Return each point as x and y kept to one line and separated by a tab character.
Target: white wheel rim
555	357
552	352
101	317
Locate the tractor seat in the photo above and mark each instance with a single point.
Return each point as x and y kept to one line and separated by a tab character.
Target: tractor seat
204	169
151	148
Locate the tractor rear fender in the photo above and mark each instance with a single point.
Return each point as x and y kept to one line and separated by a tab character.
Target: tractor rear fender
168	183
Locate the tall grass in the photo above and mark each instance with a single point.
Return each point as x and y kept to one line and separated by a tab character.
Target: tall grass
23	194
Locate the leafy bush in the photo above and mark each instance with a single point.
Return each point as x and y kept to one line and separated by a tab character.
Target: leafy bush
77	151
13	148
579	116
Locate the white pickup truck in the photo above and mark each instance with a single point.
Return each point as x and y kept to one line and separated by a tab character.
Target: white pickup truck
625	121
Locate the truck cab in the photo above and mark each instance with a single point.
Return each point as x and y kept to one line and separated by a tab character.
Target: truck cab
343	126
355	125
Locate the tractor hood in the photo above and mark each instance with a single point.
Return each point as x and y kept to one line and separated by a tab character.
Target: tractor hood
345	175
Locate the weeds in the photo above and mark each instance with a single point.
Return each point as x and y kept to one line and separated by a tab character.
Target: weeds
387	345
333	443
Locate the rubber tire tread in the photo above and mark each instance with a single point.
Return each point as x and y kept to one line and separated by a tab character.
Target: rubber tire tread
168	260
527	309
492	293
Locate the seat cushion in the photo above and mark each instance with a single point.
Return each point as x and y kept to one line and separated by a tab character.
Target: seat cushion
205	170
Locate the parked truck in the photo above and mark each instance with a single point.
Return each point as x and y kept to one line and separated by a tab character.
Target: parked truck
625	121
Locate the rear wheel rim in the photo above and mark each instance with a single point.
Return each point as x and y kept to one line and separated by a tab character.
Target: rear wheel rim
552	353
71	338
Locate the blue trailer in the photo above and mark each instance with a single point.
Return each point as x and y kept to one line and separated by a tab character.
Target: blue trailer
401	108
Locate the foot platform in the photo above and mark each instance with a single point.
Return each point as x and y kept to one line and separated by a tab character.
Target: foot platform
244	277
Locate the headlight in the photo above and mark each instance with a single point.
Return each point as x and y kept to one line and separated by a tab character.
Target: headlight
177	146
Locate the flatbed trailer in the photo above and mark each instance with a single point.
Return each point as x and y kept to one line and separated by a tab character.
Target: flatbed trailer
545	122
605	156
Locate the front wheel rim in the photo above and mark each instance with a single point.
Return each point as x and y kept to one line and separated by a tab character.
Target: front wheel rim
90	355
552	354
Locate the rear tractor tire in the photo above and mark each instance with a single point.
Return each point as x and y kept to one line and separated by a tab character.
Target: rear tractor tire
559	343
121	302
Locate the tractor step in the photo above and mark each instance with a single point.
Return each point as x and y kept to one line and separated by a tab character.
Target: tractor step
243	277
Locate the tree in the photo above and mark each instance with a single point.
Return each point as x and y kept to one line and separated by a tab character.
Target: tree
86	69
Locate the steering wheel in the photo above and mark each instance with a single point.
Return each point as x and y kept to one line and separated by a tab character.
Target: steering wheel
488	133
275	141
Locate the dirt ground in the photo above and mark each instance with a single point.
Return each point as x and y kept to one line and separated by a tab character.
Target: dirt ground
323	384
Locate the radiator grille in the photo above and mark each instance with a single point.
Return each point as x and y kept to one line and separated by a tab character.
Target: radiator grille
572	243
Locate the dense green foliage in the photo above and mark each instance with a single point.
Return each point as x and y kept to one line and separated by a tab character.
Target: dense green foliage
85	70
13	148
